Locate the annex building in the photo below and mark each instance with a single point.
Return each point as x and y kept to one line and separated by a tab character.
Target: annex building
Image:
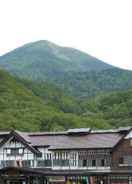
76	156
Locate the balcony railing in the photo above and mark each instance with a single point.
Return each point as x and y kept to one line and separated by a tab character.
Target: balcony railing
51	164
17	163
44	163
61	163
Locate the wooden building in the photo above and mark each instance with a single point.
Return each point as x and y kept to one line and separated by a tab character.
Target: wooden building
78	156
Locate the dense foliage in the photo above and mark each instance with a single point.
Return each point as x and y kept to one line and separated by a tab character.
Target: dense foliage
53	96
115	108
60	88
21	109
90	84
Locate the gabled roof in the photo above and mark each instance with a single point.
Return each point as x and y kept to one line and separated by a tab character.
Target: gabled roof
23	138
89	141
81	139
66	141
24	135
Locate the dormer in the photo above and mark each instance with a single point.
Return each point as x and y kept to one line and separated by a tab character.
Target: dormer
78	131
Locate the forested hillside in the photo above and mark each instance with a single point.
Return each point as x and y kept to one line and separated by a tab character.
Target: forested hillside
53	96
115	108
90	84
56	88
21	109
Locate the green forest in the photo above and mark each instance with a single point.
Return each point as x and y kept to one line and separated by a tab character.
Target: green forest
27	106
45	87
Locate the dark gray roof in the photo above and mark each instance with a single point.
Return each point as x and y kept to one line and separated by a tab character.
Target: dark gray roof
63	140
24	135
94	140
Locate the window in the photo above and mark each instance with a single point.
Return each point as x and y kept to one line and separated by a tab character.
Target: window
121	160
21	151
127	160
8	151
102	162
93	163
84	163
14	151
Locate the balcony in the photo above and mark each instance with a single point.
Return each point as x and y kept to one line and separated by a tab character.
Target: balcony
44	163
17	163
56	164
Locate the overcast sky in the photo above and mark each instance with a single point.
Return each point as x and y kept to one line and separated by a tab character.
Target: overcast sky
102	28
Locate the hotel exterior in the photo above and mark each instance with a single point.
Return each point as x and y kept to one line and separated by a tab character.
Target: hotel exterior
79	156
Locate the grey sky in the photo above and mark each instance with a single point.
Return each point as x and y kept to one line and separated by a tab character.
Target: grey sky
102	28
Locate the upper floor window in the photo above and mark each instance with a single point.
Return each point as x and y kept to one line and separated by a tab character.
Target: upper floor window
121	160
102	162
84	163
125	160
14	151
93	163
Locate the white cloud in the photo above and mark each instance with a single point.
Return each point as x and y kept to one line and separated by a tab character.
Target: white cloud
102	28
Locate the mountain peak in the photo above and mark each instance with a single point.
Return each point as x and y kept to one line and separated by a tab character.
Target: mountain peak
41	44
43	59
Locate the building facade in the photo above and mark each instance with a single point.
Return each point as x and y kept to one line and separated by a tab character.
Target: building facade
75	156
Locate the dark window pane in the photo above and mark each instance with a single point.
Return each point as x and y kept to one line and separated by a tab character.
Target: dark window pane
93	163
121	160
102	162
84	163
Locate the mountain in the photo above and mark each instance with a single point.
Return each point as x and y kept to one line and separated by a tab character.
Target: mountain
90	84
43	60
30	106
53	96
19	108
77	73
111	109
114	108
23	109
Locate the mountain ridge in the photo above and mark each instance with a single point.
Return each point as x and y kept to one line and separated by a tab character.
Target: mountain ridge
76	72
52	46
44	52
